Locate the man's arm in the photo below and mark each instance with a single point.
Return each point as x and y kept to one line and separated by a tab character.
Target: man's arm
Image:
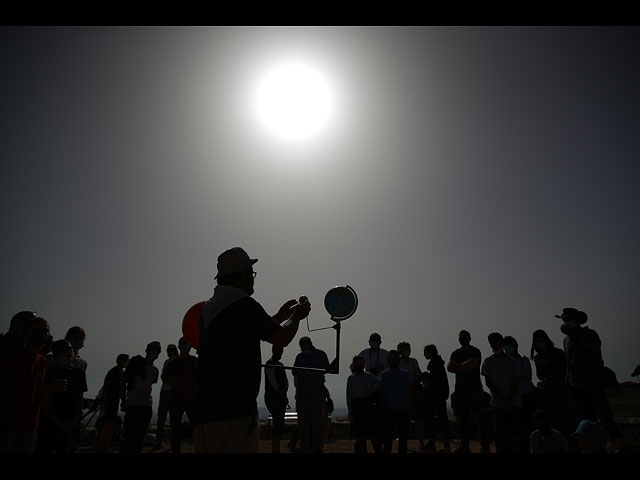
287	331
285	312
463	367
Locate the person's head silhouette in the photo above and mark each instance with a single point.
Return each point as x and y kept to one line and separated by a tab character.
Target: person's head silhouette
235	269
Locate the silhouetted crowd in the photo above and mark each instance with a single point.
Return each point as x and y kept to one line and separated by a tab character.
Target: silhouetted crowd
566	410
42	404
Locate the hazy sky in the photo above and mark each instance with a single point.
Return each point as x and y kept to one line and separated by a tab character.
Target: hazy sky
470	178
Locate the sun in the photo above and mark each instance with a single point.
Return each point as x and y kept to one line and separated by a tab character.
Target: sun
294	101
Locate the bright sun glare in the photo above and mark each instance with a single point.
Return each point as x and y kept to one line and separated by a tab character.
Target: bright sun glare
294	101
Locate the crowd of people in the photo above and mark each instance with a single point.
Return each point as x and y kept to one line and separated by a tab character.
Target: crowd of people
43	404
566	410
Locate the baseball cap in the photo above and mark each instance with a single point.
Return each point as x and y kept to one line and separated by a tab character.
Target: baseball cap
233	260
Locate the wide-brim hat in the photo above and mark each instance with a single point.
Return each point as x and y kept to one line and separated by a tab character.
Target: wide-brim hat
594	432
233	260
570	313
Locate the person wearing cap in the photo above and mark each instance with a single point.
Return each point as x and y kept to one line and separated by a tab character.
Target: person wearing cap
592	437
585	370
232	325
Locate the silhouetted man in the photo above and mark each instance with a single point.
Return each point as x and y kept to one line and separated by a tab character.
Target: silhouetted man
111	394
502	377
465	362
276	387
586	371
231	326
375	358
395	395
165	396
310	402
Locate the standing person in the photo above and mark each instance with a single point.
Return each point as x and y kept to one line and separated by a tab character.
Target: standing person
416	410
363	392
527	392
395	393
22	372
137	402
551	370
61	411
310	397
436	388
502	376
276	387
165	395
375	358
76	336
586	371
232	321
181	375
13	340
465	363
112	391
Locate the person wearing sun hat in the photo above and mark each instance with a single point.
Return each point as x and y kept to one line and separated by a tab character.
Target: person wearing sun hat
231	327
592	437
585	369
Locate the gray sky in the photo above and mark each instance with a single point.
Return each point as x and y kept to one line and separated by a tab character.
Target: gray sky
471	178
